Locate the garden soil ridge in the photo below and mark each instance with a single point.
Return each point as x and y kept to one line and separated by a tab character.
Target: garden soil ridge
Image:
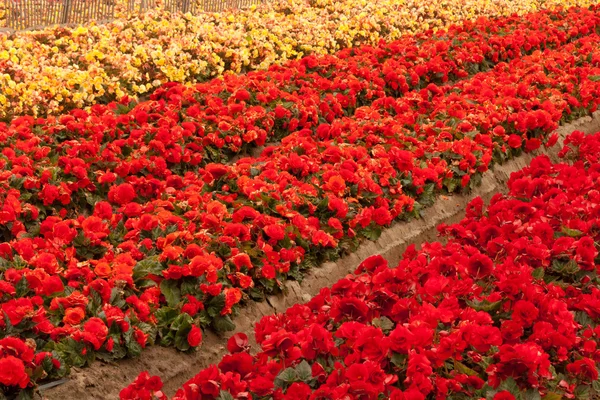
105	380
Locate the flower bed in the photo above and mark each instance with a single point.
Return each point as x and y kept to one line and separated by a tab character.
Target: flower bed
58	69
103	255
183	127
505	310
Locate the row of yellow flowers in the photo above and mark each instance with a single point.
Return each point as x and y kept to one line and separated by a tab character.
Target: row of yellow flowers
56	69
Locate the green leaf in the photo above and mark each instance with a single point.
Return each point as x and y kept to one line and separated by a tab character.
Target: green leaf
569	268
538	273
384	323
166	316
463	369
427	198
147	266
223	395
484	305
304	371
552	396
509	385
582	392
372	233
26	394
399	360
531	394
295	273
116	298
256	294
594	78
182	326
451	184
571	232
223	324
22	288
189	286
171	292
215	305
181	342
134	349
118	350
145	283
288	375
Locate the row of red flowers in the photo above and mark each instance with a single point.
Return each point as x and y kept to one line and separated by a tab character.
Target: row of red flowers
183	127
508	308
99	264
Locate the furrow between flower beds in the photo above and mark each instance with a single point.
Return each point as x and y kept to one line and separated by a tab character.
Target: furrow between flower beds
101	381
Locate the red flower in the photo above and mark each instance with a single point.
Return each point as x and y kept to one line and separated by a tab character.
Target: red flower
480	266
371	264
336	184
241	363
18	309
216	170
237	343
532	144
194	337
242	95
94	228
242	260
49	194
268	271
584	368
95	332
12	372
504	395
262	386
298	391
275	232
382	216
515	141
525	312
122	194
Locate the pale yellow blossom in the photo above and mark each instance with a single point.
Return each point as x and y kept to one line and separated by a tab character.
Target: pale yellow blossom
49	72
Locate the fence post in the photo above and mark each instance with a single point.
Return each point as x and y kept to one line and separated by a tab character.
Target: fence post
66	11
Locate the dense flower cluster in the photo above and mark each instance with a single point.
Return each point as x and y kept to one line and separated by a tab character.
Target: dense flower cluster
507	309
187	126
114	236
57	69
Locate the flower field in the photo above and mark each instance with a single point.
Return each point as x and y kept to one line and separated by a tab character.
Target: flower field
58	69
138	223
506	309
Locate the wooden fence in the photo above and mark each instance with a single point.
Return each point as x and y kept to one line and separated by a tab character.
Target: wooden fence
26	14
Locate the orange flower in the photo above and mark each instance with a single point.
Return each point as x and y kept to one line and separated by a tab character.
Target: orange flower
73	316
336	184
103	270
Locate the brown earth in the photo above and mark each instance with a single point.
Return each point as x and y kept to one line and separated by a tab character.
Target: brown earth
104	381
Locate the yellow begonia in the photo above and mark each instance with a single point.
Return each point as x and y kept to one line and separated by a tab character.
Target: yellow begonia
134	54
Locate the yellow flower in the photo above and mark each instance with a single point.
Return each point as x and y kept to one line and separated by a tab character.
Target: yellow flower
132	54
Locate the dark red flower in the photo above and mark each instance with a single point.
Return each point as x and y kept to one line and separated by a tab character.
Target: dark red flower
480	266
